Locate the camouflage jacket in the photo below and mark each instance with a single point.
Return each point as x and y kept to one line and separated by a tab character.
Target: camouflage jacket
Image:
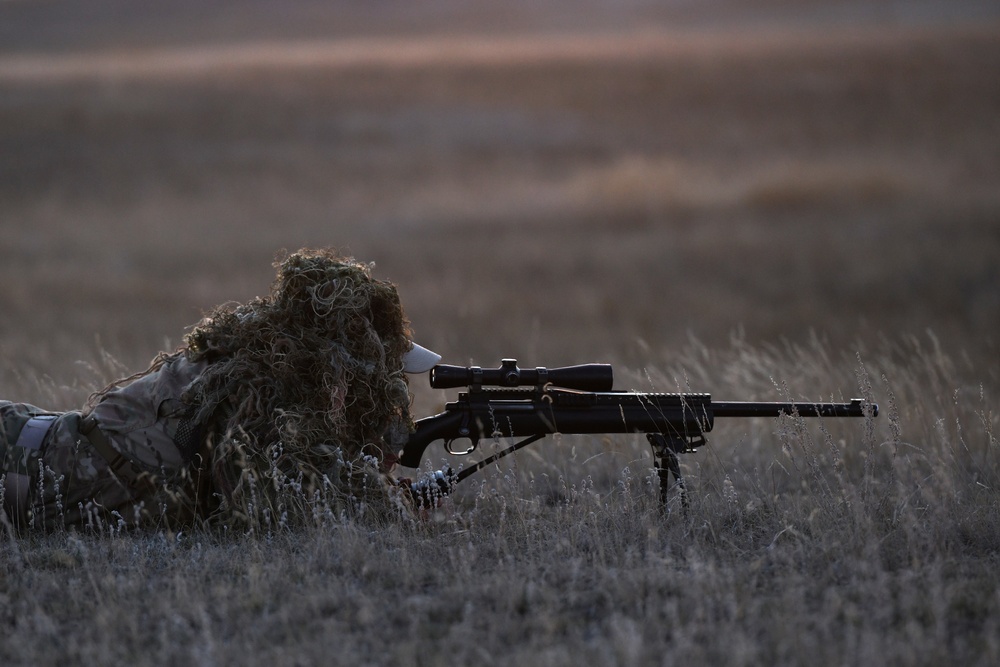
136	458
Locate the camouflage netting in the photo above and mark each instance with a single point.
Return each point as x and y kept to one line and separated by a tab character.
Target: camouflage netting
306	388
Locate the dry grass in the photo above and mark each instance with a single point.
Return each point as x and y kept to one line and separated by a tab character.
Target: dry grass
755	222
861	542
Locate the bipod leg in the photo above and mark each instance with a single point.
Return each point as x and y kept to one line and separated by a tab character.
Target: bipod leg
667	464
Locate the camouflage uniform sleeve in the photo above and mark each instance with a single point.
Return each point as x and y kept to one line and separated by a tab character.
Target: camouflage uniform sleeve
148	422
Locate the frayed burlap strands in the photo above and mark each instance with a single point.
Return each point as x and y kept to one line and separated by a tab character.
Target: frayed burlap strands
306	390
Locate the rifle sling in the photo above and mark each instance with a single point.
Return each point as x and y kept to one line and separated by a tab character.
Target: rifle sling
496	457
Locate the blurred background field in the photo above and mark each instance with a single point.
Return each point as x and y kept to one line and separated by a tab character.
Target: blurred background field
755	199
596	182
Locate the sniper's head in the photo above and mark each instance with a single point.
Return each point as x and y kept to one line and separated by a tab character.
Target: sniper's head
315	369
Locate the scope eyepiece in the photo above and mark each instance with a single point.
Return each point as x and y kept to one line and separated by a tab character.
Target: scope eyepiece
584	377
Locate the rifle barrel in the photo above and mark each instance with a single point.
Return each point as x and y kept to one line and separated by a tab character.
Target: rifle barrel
856	408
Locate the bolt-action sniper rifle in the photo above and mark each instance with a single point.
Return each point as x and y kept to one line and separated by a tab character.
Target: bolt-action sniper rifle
510	402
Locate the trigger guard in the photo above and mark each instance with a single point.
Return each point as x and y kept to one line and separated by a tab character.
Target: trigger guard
454	452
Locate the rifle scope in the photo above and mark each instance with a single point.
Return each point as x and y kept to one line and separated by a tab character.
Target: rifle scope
585	377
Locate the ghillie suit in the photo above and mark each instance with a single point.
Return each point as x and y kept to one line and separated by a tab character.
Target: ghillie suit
305	392
288	408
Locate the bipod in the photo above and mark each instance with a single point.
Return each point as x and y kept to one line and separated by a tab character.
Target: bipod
665	451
